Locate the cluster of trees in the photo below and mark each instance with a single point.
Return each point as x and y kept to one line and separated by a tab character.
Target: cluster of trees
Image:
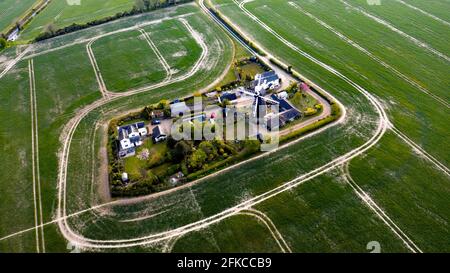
244	61
2	43
140	6
163	105
145	184
147	5
195	155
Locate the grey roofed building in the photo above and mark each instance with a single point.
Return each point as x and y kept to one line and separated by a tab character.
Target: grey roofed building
283	118
227	96
158	135
284	105
179	108
289	115
268	76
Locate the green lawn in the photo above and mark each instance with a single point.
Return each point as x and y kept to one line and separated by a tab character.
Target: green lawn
303	101
251	70
133	165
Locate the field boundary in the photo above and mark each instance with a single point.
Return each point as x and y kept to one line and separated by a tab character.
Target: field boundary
26	16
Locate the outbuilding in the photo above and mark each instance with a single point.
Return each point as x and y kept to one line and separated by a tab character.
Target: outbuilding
158	135
179	108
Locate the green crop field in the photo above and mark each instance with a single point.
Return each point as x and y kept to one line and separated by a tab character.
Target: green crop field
240	233
62	14
387	64
418	115
66	82
127	61
11	10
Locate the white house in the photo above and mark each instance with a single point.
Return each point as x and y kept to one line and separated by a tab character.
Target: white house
130	137
265	81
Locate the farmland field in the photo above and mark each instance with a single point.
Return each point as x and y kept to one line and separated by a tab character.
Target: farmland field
380	174
11	10
64	86
61	14
127	61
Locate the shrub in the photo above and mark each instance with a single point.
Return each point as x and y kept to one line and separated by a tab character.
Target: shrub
2	43
310	111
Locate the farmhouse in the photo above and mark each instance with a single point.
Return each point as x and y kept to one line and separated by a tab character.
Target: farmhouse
265	81
130	137
158	135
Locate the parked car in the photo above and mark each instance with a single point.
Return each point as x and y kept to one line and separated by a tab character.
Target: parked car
156	122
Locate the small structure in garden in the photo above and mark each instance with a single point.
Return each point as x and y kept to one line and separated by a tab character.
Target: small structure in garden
174	179
157	114
125	177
